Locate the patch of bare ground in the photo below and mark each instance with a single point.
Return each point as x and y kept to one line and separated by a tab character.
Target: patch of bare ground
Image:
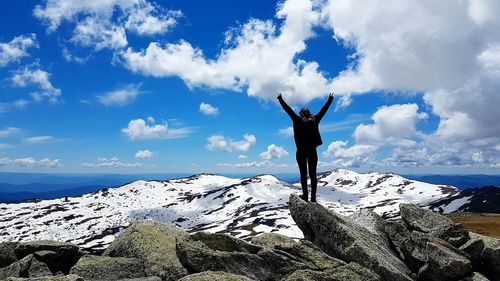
482	223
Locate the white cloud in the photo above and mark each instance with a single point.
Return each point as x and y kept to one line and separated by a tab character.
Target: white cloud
17	48
273	152
208	109
260	57
33	76
286	132
30	162
110	163
242	156
138	129
38	139
262	164
354	156
144	154
219	142
9	131
120	97
390	123
449	50
103	24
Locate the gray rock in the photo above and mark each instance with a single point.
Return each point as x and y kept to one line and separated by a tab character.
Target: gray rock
474	249
444	262
427	221
217	252
303	250
398	234
28	266
350	272
475	276
339	237
108	268
153	243
59	256
70	277
490	257
7	255
215	275
38	268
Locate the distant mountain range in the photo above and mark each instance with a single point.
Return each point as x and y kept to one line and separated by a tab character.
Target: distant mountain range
460	181
241	207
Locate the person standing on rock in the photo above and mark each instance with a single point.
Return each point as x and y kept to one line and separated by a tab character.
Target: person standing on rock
307	138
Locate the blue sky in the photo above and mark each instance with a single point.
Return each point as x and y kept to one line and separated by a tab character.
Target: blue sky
189	86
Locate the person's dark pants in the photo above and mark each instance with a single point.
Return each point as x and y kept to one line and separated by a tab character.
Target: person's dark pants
308	157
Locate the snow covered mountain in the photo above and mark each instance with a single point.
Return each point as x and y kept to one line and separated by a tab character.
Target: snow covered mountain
205	202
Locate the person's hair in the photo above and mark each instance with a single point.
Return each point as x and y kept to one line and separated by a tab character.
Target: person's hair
305	113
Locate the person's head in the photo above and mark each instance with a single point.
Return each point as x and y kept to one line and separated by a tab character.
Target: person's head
305	113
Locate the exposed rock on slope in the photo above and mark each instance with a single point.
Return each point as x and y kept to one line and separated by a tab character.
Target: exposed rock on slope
360	247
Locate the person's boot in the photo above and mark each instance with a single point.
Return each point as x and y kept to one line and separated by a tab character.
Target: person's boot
303	197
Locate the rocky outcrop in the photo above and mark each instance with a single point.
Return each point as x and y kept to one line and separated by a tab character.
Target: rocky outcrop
154	244
361	247
489	260
108	268
59	256
350	272
7	254
218	252
427	221
342	238
215	275
304	251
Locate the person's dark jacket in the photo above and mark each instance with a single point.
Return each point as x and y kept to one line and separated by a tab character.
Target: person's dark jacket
306	133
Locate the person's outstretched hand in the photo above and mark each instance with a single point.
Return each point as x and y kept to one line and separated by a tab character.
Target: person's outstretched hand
278	96
332	95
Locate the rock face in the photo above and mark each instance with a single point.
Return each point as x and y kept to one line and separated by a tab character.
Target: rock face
7	255
154	244
59	256
490	256
215	275
303	250
218	252
341	238
350	272
108	268
435	224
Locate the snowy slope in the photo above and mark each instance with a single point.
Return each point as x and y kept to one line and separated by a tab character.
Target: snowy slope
240	207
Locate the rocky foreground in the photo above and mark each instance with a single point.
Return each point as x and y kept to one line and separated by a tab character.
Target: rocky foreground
423	245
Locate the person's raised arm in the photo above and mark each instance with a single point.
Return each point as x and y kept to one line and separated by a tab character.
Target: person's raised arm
325	107
287	108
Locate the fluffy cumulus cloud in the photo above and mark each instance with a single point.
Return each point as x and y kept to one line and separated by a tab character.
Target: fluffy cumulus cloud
260	57
120	97
144	154
353	156
219	142
104	24
447	50
208	109
390	123
273	152
140	129
30	162
286	132
254	164
33	76
17	48
112	162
